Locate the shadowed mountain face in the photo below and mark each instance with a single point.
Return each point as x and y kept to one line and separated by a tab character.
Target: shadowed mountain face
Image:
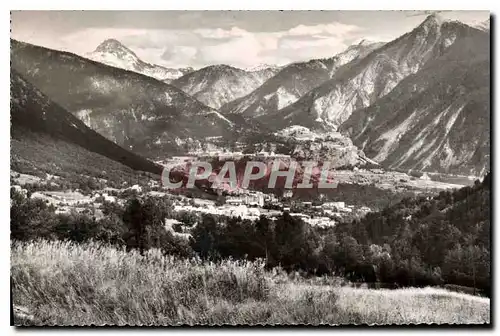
113	53
437	119
360	83
134	111
293	81
217	85
36	119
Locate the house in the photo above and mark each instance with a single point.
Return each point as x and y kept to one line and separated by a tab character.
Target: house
365	209
425	177
321	221
244	212
256	199
234	201
262	154
300	215
136	187
250	199
270	198
345	209
333	205
106	197
253	212
377	171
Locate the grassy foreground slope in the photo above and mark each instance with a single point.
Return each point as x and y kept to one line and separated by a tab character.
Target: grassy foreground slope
61	283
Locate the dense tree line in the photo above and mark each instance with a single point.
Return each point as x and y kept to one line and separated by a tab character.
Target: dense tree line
445	238
419	241
287	241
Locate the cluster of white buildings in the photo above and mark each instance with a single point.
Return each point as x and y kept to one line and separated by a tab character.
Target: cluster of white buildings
337	206
250	199
314	221
241	210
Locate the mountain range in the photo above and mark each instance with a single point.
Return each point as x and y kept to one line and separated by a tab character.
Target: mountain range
133	110
114	53
360	83
438	118
419	102
433	53
293	81
217	85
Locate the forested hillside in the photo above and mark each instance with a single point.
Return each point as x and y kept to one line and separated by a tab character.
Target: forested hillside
420	241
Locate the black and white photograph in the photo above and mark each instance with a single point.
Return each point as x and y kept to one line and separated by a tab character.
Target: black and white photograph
250	168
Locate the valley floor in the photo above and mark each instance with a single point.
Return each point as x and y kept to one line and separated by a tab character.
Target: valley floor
62	283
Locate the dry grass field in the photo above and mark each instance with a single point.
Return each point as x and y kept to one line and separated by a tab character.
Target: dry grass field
61	283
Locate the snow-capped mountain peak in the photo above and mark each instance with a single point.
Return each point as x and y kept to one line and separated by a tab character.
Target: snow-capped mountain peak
113	52
114	46
433	20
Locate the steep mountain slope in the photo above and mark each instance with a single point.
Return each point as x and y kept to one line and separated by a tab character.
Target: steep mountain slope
435	120
39	126
294	80
451	231
133	110
217	85
360	83
113	53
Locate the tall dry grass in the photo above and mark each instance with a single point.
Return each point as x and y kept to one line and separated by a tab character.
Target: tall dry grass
62	283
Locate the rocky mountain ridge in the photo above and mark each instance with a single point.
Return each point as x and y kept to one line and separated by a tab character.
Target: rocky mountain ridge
114	53
293	81
137	112
217	85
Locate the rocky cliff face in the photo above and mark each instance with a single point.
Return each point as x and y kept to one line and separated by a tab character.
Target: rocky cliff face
360	83
437	119
293	81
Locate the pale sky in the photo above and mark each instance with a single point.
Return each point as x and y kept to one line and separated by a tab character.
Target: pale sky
200	38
